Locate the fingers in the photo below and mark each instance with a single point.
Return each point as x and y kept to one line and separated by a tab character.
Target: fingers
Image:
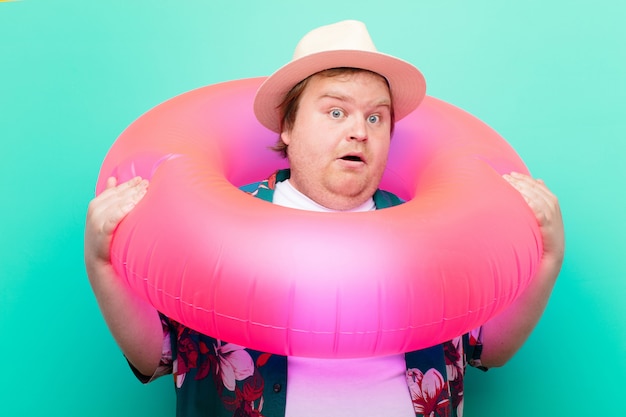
116	201
546	208
536	194
107	210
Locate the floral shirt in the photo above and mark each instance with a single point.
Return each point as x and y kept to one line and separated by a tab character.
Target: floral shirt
217	378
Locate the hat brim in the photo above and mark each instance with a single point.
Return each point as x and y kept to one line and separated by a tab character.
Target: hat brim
406	82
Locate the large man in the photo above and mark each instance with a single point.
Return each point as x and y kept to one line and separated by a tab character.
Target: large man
334	107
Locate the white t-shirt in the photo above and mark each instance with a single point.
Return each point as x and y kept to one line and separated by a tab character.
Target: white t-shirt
343	387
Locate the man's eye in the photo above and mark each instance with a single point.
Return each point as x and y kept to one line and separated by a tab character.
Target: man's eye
336	113
374	118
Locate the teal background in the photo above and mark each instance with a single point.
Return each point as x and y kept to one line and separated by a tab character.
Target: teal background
548	75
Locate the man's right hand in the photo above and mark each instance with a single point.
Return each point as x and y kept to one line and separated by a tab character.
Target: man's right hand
105	212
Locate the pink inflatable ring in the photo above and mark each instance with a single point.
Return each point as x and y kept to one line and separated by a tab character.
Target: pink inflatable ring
302	283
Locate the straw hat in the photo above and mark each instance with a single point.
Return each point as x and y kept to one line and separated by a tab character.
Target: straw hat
342	44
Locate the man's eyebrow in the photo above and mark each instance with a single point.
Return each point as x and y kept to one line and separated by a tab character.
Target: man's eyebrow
383	102
336	96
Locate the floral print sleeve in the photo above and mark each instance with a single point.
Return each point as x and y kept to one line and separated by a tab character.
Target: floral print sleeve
216	378
436	381
474	350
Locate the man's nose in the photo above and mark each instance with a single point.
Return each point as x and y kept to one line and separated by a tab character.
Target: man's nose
358	129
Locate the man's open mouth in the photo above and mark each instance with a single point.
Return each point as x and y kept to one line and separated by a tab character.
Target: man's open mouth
355	158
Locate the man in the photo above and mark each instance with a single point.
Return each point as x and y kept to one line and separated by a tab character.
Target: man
334	106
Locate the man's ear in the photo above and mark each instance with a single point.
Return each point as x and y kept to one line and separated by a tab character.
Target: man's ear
285	137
